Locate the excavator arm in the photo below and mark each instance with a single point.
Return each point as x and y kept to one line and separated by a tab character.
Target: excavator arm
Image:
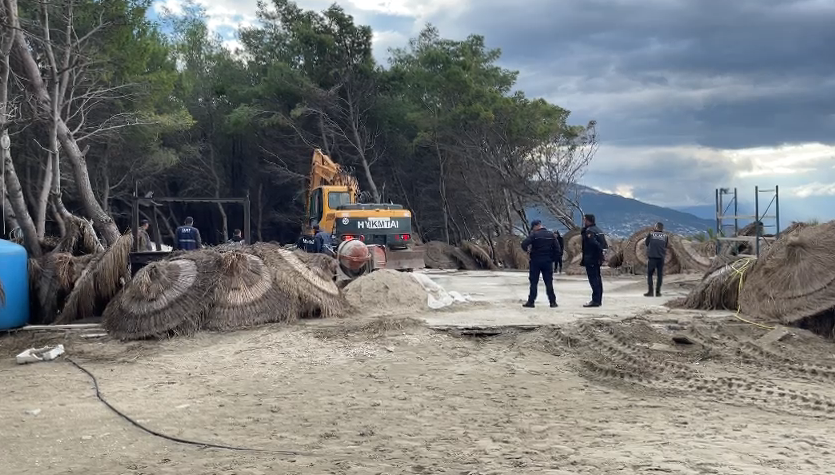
323	171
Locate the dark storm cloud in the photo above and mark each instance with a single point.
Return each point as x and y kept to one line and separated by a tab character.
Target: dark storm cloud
730	74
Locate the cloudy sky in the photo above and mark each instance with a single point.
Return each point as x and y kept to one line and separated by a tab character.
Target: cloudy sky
689	95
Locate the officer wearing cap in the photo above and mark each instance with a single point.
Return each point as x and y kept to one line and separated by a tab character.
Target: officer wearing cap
544	250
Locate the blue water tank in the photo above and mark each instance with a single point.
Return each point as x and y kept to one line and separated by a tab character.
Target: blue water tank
14	276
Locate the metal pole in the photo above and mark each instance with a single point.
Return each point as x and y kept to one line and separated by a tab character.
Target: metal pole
736	214
757	217
135	212
247	224
718	222
777	208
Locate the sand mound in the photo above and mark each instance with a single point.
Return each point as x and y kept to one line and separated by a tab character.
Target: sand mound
386	291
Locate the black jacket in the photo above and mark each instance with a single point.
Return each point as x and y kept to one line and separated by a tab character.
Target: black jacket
306	243
561	242
187	238
594	244
543	246
656	243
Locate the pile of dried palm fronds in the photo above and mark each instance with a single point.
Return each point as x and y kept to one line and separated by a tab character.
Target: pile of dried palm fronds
572	248
793	280
720	286
469	256
509	253
478	254
635	254
76	277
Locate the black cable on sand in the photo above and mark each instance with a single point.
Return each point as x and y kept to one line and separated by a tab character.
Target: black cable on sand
205	445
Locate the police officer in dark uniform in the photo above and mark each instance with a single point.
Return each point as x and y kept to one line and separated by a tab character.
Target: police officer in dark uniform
187	236
306	243
594	248
544	250
561	242
323	243
656	243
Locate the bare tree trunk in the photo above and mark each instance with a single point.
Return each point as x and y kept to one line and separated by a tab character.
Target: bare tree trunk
8	211
442	190
360	145
11	182
103	222
260	223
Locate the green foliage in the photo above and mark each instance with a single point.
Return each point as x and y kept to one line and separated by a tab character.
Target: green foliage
441	129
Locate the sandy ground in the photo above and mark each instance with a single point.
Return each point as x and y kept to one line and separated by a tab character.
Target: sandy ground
590	392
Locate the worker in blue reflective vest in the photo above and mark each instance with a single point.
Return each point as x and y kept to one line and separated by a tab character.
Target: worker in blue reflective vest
187	237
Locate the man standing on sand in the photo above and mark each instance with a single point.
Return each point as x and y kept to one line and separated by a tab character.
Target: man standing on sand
656	243
594	248
145	243
544	250
561	242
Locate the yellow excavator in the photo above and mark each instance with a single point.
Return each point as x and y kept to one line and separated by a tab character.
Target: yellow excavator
367	237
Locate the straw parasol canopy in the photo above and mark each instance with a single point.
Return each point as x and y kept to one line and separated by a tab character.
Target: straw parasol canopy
688	255
793	280
478	254
572	246
312	294
326	266
635	254
245	294
719	287
99	281
165	298
509	252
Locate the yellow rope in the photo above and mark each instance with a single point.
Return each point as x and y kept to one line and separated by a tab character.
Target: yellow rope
741	272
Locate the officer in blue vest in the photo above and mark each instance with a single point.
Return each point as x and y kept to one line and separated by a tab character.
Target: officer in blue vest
188	237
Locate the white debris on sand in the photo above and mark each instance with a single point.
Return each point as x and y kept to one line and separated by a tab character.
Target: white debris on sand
438	297
388	290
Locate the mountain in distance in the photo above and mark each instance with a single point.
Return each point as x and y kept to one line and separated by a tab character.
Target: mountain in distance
621	217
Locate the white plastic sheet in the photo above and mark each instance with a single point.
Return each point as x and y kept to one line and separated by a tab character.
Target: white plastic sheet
437	296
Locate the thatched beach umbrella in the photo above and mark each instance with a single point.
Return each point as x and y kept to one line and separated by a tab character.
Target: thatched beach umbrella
635	254
478	254
312	294
165	298
246	295
572	246
689	257
793	280
509	252
720	286
99	281
327	266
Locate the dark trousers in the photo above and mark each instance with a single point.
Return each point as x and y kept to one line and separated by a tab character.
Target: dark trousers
546	269
596	282
654	264
559	265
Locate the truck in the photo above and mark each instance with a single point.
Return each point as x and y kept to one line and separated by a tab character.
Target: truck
367	236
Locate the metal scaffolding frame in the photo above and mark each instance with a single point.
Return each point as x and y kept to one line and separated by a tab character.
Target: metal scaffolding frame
764	219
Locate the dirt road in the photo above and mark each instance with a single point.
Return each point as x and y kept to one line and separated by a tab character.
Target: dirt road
389	396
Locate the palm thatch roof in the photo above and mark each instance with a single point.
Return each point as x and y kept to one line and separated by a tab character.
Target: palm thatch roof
478	254
246	295
327	266
793	280
635	254
313	294
509	253
165	298
720	285
100	281
572	246
688	255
